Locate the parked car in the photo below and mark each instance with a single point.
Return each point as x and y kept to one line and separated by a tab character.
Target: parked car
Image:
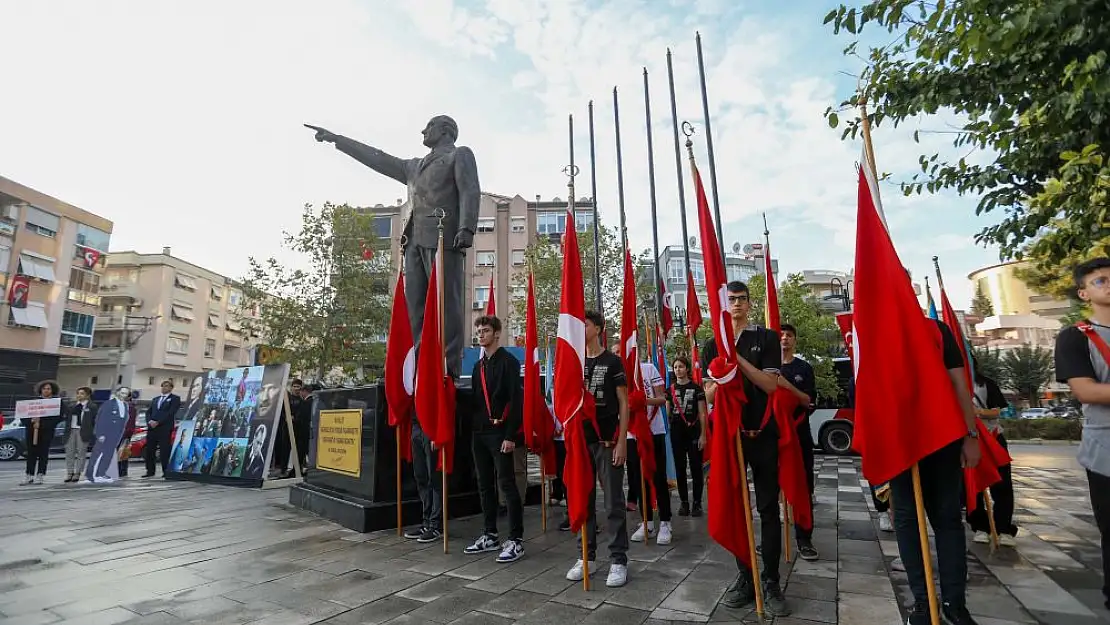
1065	412
12	439
1036	413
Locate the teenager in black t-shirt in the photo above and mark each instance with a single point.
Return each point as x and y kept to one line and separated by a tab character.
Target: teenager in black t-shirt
798	378
760	360
686	405
605	380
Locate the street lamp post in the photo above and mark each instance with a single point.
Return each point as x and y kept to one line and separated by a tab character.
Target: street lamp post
842	291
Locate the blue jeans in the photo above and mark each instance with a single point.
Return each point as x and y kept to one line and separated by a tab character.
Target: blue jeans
942	493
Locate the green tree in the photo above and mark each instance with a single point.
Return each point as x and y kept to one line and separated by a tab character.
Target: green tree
989	363
329	312
981	304
1029	80
1027	370
819	339
1055	278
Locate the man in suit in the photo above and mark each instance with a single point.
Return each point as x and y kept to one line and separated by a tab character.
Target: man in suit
159	428
79	420
111	420
446	179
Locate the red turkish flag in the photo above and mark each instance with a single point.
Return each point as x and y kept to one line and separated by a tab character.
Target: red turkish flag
19	292
400	369
435	390
771	307
665	318
844	322
491	303
693	306
638	424
906	407
728	520
994	455
573	405
539	429
90	256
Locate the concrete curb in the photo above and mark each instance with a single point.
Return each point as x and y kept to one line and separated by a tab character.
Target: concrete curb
1041	441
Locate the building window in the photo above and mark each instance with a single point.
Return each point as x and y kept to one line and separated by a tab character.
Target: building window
181	314
520	292
41	222
185	282
214	322
231	353
383	226
676	271
150	381
486	259
5	258
77	330
209	348
234	298
698	269
234	326
518	257
217	293
35	266
481	295
87	236
518	224
177	344
486	224
84	286
34	316
94	380
583	220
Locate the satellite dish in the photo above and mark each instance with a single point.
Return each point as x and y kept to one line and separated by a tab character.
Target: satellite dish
736	248
748	249
693	241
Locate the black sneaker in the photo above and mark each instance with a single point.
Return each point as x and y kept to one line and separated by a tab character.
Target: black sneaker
684	509
696	510
806	550
430	535
957	614
565	525
741	593
414	533
919	615
484	544
774	602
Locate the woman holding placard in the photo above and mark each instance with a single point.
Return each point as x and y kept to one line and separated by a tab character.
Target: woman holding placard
40	432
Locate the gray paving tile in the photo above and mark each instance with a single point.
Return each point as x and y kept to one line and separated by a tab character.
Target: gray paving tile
452	606
514	604
376	612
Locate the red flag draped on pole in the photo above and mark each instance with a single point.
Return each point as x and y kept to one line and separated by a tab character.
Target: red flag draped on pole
491	303
637	399
783	403
985	474
435	390
573	405
400	367
539	429
728	520
693	322
665	318
906	407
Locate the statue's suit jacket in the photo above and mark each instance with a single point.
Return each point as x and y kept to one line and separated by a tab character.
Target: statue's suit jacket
446	178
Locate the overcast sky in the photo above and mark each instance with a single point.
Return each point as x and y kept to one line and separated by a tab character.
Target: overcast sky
181	120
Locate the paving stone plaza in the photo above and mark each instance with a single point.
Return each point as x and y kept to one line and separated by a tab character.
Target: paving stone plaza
163	553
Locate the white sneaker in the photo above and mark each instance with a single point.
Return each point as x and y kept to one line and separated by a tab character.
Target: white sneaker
664	533
885	524
39	478
575	574
897	565
512	551
485	542
1005	540
982	538
618	576
640	533
30	479
103	480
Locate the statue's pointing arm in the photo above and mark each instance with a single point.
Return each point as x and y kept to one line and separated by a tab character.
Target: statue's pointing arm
470	194
385	164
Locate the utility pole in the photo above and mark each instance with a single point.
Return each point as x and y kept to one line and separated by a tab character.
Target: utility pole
134	327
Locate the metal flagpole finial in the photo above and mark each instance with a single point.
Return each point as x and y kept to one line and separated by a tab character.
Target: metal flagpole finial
570	171
688	130
402	242
766	231
440	214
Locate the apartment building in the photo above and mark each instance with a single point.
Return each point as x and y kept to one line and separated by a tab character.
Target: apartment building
1009	295
672	264
52	252
161	317
506	227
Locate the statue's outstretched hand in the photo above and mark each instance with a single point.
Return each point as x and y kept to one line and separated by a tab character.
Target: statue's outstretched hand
464	239
322	134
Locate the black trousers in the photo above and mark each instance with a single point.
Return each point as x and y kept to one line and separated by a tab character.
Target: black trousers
282	446
684	446
38	454
558	488
158	443
1002	501
429	481
762	455
805	439
496	471
942	493
1100	502
659	480
302	431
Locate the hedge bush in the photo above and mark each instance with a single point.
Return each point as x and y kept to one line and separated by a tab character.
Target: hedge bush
1047	429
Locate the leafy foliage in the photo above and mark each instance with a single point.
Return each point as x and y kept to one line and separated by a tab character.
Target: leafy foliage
1027	370
981	304
329	312
1030	79
989	363
819	339
1051	277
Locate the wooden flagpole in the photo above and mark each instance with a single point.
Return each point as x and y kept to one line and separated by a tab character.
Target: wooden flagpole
440	213
923	533
990	519
787	524
745	497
